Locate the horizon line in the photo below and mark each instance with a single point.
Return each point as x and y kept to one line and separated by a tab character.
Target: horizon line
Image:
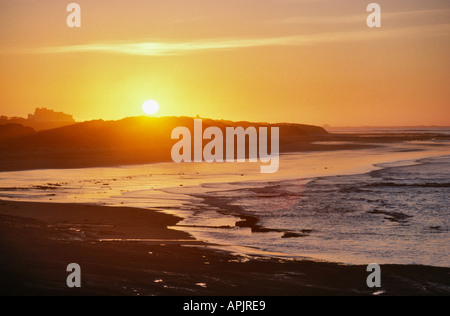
325	126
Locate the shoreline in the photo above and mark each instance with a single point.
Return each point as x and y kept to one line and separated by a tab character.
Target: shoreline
133	251
38	241
246	220
254	222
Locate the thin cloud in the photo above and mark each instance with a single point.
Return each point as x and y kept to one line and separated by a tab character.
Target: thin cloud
358	18
164	48
184	48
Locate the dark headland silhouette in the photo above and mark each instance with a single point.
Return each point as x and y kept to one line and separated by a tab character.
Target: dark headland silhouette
12	131
140	140
134	140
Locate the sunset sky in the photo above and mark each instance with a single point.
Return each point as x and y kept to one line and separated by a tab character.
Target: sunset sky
304	61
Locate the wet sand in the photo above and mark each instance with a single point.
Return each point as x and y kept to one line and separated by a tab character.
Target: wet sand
38	241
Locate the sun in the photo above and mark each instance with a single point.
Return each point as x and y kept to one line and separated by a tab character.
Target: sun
150	107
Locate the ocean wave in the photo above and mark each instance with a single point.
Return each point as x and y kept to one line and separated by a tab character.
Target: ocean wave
420	185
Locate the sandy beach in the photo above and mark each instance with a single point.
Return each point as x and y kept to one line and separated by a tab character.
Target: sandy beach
38	241
149	230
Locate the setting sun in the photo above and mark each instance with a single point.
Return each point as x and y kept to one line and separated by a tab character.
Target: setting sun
150	107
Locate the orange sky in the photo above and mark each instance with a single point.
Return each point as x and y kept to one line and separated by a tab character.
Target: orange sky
302	61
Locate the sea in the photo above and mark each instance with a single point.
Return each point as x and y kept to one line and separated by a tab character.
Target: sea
388	204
